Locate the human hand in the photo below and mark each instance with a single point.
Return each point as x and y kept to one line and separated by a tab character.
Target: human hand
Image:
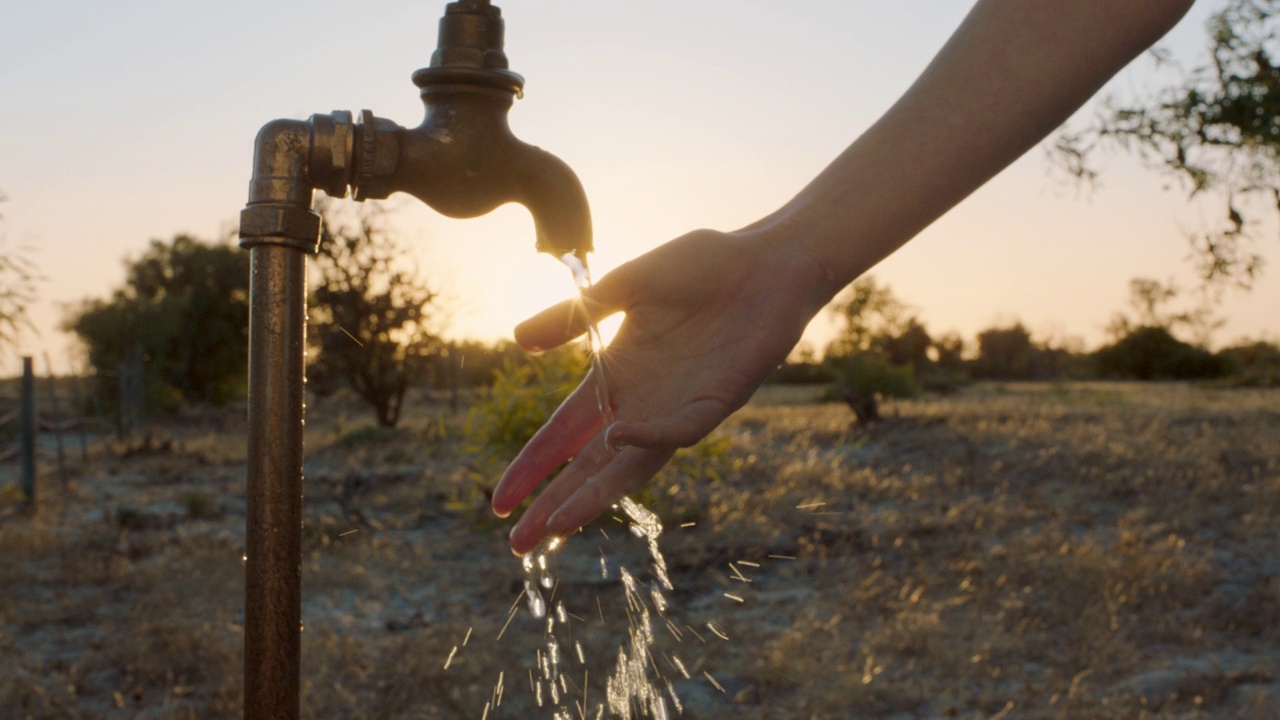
708	316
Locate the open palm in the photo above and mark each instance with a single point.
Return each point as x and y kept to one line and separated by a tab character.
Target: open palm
708	316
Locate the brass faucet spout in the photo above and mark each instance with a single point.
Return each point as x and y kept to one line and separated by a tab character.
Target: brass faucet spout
463	161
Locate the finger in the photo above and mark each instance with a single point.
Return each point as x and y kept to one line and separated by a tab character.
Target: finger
563	436
628	471
683	429
565	321
532	527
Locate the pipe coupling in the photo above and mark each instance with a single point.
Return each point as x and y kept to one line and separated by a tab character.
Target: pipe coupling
280	225
376	156
358	154
330	165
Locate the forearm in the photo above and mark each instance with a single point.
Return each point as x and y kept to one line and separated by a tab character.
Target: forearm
1011	73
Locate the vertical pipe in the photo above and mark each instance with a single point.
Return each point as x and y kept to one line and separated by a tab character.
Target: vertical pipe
273	601
28	431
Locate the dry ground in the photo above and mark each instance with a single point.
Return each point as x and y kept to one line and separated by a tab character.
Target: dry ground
1019	551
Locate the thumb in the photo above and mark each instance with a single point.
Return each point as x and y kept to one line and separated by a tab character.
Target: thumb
567	320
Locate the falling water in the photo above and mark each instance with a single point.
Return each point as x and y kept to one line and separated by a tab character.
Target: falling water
595	342
636	688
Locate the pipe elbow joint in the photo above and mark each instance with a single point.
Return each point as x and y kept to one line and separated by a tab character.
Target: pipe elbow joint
280	192
281	152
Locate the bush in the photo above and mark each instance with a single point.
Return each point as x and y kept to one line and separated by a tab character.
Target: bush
1254	364
524	393
864	377
1152	353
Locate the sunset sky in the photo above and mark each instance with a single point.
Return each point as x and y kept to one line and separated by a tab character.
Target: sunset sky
133	120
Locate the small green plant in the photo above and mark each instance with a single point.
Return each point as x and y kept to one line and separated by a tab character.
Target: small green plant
524	394
200	505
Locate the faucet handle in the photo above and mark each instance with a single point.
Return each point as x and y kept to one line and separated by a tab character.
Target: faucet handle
471	35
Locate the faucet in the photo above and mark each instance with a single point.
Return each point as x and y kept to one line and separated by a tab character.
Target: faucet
463	161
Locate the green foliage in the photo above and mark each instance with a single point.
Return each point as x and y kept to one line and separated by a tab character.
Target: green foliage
862	378
1152	353
372	315
876	328
1217	129
1149	305
1255	364
908	347
524	393
1006	354
182	317
867	311
872	372
200	505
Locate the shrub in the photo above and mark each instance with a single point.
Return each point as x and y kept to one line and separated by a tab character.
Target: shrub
864	377
524	393
1255	364
1152	353
200	505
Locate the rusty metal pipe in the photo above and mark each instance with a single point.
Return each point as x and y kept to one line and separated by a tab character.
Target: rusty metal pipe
273	594
279	229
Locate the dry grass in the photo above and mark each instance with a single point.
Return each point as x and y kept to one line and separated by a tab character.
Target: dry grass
1022	551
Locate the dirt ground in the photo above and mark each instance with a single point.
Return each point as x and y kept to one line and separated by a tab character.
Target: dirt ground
1010	551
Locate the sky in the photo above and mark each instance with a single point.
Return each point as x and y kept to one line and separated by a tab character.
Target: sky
134	120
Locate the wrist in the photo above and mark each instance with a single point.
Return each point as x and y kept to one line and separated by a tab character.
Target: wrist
806	273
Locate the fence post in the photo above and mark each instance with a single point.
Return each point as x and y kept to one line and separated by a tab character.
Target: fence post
56	421
84	419
28	431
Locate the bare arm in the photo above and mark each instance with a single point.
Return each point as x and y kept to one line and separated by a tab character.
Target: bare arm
1012	72
710	314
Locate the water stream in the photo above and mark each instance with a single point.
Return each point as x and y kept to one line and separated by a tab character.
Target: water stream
636	688
595	342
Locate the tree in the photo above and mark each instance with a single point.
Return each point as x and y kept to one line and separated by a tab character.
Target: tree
867	311
908	347
372	315
1148	300
1006	354
1152	353
1218	130
18	277
181	319
877	326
